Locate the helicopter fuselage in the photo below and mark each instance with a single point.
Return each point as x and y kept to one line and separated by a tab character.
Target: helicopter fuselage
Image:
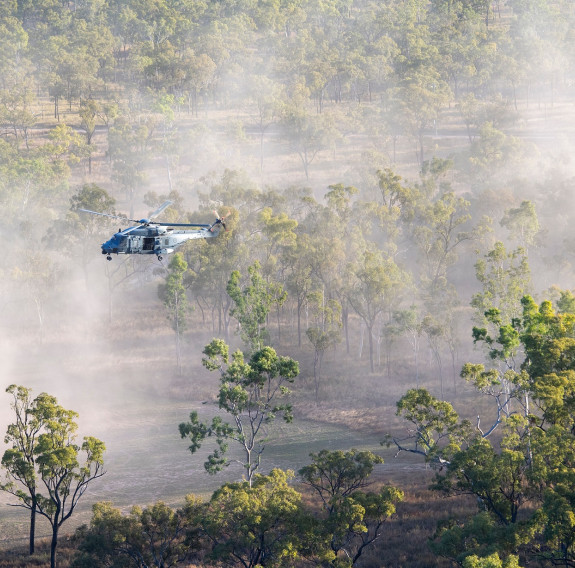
155	237
151	240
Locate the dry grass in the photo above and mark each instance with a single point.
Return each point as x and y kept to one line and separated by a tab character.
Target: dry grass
18	557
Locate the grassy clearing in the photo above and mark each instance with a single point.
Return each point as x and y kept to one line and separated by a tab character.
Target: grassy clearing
146	460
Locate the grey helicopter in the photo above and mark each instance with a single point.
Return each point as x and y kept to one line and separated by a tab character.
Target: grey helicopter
155	237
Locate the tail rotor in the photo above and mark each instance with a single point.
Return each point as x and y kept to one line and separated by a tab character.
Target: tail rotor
220	220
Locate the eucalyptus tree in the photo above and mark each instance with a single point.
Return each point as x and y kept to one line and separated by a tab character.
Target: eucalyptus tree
14	61
375	286
307	135
376	48
520	476
45	459
235	188
536	40
197	73
255	524
267	95
226	42
421	90
352	519
505	278
173	294
22	436
299	277
129	152
252	304
79	231
168	143
33	179
210	263
439	234
280	235
335	242
522	223
325	331
64	149
469	108
252	393
321	69
493	150
409	323
459	32
279	239
398	205
89	111
434	425
17	99
70	61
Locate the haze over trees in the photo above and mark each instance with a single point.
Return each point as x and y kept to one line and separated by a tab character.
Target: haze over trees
397	184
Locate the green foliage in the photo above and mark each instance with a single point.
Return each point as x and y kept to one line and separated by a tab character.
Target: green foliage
45	460
257	524
80	228
174	296
492	149
19	459
252	393
566	302
337	474
154	536
253	303
174	293
436	430
492	561
522	478
326	332
480	534
376	283
353	519
505	279
522	223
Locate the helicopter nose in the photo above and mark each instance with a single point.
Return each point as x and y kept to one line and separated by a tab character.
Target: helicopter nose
108	248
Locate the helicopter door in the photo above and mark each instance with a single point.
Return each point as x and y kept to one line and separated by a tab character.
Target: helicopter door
148	243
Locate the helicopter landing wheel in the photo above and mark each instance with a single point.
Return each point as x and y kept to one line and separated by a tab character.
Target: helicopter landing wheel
108	257
159	258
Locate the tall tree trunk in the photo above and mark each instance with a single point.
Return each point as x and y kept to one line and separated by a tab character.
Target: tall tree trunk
299	306
370	333
32	524
54	544
279	326
345	322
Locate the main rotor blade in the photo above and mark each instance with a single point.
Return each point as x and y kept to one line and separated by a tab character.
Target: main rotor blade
130	229
201	225
109	215
160	209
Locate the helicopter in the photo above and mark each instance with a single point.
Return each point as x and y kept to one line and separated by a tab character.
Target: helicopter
155	237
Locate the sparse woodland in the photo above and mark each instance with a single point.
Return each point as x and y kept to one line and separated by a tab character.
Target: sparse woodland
398	185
